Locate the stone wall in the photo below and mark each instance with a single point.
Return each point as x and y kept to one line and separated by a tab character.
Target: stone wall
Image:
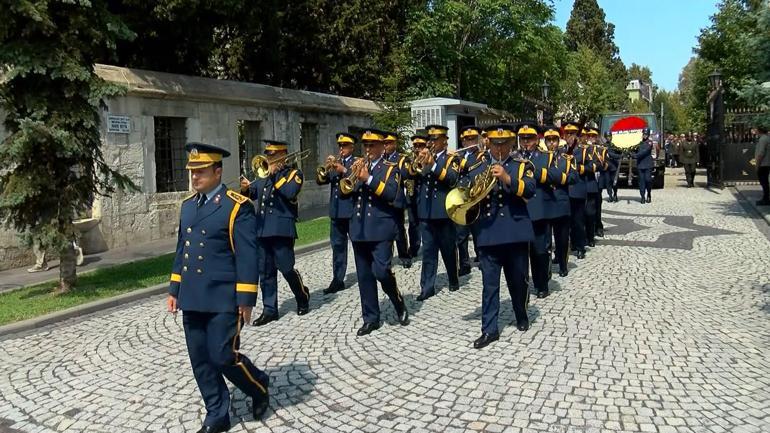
212	109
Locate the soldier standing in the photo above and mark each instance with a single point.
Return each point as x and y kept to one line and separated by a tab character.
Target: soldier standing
214	283
402	243
373	229
275	197
689	157
437	177
340	209
609	175
504	231
644	164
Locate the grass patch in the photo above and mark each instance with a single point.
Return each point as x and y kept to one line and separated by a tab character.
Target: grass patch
37	300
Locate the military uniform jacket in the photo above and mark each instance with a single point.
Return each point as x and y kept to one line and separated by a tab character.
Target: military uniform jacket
399	159
613	160
374	216
568	175
467	161
503	216
585	169
275	199
592	183
542	205
689	153
644	155
216	250
340	205
431	188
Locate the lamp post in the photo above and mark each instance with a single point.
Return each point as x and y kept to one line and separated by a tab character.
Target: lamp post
715	131
545	91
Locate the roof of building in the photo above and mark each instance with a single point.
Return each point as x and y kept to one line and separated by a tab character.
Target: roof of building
155	84
445	102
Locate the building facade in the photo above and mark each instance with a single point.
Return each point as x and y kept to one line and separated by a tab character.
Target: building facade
145	130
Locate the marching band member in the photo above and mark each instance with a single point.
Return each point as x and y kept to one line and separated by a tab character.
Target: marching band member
214	283
437	177
504	230
402	244
609	179
340	208
275	198
373	229
409	180
470	152
560	221
577	190
589	135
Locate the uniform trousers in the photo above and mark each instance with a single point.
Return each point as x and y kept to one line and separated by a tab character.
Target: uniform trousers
513	260
645	181
213	341
438	235
402	244
578	228
539	256
340	227
373	265
414	230
276	253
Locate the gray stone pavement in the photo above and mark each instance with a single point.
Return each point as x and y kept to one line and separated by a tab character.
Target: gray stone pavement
664	327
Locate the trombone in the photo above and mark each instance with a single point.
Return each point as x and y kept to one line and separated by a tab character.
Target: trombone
348	184
260	164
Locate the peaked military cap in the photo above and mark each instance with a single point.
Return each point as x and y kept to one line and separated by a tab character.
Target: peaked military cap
572	126
275	145
372	134
204	155
436	129
551	131
390	136
526	128
344	138
501	131
470	131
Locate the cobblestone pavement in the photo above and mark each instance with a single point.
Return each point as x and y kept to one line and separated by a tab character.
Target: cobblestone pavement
663	327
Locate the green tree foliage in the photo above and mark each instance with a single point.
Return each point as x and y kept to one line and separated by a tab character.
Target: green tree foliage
52	163
587	27
673	110
639	72
756	91
483	50
589	86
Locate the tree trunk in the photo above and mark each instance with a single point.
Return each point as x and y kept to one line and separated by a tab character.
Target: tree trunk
67	270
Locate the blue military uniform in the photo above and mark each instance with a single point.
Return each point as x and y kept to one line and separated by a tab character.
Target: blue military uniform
542	210
340	211
373	228
645	164
468	157
410	192
504	232
607	180
213	274
592	189
438	231
578	194
400	203
275	198
561	210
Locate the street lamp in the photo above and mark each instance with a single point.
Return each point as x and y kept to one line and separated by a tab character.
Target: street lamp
545	89
715	79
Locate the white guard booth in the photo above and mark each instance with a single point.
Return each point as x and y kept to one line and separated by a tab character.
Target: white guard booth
453	113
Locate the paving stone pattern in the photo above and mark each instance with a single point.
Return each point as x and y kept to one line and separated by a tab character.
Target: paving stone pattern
664	327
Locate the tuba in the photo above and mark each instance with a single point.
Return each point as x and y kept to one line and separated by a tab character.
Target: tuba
260	164
463	204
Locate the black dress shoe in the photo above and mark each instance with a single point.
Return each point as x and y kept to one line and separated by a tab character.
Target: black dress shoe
592	244
649	199
406	263
464	270
600	233
522	325
368	328
454	287
214	428
303	309
424	296
581	254
543	293
259	405
485	340
264	319
563	273
641	200
403	315
334	287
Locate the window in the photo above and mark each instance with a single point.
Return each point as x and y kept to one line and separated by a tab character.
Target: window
249	139
170	156
308	140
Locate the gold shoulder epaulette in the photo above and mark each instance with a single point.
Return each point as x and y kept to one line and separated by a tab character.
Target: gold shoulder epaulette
386	162
238	198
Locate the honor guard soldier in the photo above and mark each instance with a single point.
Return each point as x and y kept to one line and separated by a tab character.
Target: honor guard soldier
689	157
609	178
408	179
504	230
469	154
590	134
560	210
376	185
577	190
541	206
392	155
436	176
340	207
214	283
275	198
644	164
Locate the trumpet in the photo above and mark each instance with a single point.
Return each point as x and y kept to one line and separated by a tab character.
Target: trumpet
348	184
323	170
260	164
419	162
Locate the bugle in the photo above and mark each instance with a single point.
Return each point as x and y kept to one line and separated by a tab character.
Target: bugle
348	184
260	164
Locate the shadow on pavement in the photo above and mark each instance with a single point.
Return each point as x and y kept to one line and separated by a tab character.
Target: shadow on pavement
290	384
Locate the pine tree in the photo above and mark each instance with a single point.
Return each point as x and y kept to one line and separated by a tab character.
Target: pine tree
587	27
52	163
